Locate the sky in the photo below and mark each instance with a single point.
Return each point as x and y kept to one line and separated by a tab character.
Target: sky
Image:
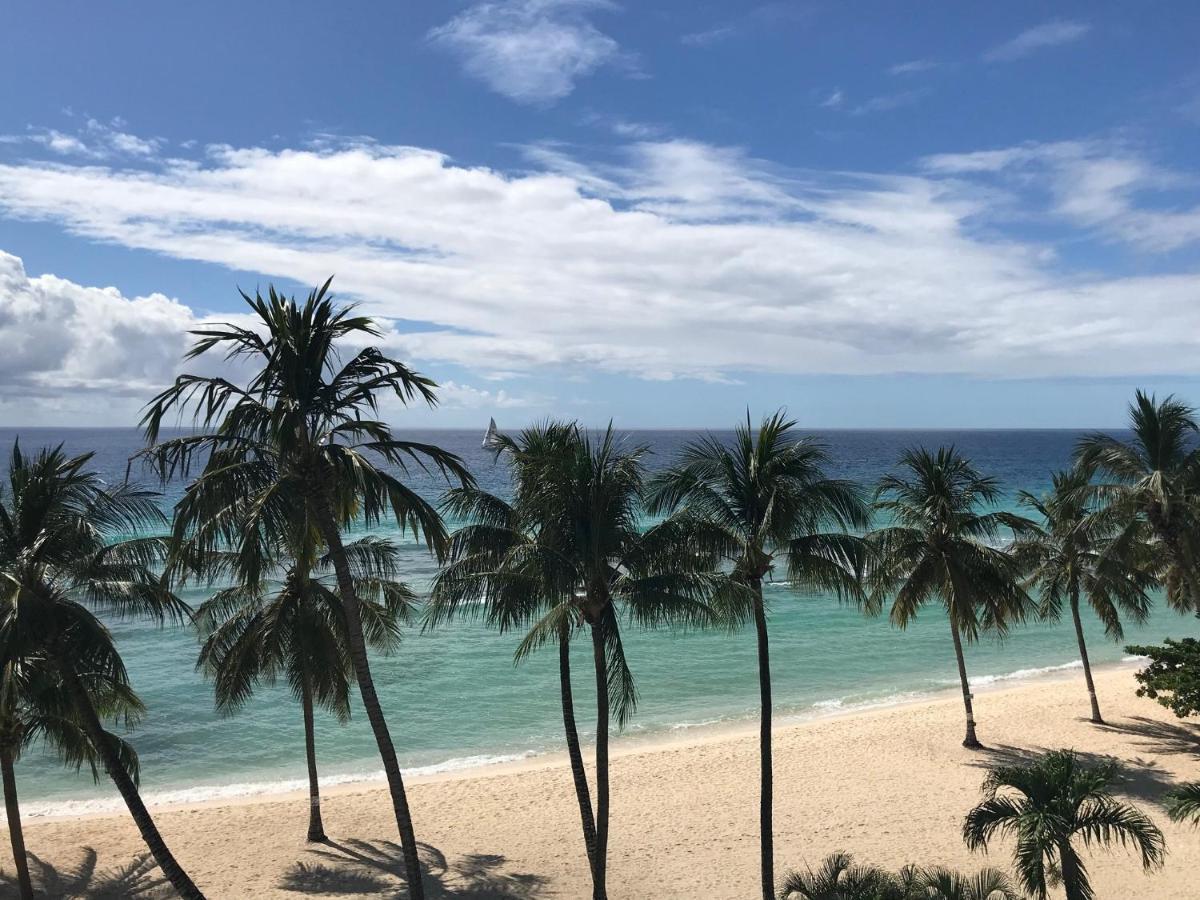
663	213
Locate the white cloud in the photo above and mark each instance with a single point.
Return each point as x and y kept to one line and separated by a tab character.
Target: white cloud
886	102
454	395
1097	185
531	51
912	67
96	140
835	99
673	259
1048	34
708	37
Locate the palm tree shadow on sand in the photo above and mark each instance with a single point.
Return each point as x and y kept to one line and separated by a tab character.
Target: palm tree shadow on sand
1172	738
137	880
377	868
1140	779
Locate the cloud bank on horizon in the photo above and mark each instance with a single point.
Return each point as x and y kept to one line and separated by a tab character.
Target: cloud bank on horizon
653	257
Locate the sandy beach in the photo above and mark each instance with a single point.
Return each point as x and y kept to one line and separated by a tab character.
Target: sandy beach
889	785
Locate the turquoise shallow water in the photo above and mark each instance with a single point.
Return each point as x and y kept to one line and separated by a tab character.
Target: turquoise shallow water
453	697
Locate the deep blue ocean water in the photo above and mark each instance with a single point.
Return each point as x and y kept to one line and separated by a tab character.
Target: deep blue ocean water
454	698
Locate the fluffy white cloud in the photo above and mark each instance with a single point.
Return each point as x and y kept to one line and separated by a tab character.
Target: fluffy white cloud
674	259
532	51
1048	34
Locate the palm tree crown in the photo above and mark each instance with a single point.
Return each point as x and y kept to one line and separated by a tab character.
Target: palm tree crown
1049	804
1156	476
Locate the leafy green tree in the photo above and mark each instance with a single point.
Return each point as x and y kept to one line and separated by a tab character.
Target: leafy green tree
1172	677
1048	805
1183	803
66	554
765	498
301	441
35	707
295	628
567	556
939	547
1082	554
1156	476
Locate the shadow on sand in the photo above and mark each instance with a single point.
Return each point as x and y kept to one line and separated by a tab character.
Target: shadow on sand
135	881
1161	737
377	868
1140	779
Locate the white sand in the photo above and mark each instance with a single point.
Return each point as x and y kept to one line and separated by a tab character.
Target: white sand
890	786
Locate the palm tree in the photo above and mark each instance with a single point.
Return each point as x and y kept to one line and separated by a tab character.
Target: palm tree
937	547
839	878
1183	803
1049	803
1082	553
1156	476
768	496
301	441
35	706
939	883
568	555
296	628
60	564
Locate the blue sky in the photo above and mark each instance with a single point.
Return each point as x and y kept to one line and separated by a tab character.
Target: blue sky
939	214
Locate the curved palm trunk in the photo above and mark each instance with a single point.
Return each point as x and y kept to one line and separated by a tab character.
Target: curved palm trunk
573	751
366	687
600	862
15	833
316	828
171	869
970	741
1083	656
766	836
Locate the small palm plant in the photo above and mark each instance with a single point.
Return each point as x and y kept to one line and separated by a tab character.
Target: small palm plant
301	440
839	878
940	883
939	547
766	499
67	555
1156	477
1047	806
1183	803
35	707
1080	553
295	628
568	557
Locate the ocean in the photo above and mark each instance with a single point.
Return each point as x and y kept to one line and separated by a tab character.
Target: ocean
454	699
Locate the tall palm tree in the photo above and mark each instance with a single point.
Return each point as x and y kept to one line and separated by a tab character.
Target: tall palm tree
296	628
1156	476
767	496
1183	803
1079	552
568	556
939	547
300	441
34	706
1047	805
65	556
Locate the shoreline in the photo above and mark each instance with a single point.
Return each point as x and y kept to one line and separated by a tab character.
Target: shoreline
671	737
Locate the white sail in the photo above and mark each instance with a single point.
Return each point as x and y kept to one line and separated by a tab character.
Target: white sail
491	439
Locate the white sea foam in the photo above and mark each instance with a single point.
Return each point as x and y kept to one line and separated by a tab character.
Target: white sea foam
240	790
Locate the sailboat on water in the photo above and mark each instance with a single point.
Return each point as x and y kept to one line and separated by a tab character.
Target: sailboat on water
491	440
